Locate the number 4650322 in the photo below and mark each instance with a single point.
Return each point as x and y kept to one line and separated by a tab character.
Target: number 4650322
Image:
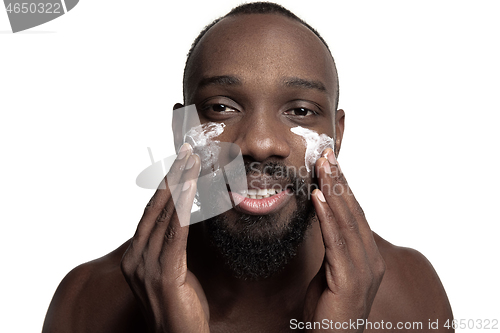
41	8
485	324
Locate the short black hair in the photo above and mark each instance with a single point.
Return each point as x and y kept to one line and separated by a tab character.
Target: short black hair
256	8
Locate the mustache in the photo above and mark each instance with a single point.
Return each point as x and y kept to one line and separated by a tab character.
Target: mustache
275	170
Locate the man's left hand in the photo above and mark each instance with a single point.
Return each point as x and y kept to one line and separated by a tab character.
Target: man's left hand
344	289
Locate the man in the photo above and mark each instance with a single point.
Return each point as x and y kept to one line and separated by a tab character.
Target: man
293	261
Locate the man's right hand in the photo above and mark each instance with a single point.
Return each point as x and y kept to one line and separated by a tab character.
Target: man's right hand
155	264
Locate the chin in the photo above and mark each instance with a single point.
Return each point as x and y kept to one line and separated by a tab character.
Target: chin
256	247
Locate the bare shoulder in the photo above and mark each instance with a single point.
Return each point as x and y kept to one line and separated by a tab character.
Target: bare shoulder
94	297
411	289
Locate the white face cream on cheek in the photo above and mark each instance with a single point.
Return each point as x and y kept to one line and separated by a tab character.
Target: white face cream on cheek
201	139
315	144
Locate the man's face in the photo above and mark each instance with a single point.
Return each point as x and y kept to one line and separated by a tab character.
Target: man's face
262	75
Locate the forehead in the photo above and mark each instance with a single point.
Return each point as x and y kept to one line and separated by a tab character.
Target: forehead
261	48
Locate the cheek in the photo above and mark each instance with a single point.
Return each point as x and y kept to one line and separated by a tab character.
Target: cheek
298	151
314	144
203	139
227	135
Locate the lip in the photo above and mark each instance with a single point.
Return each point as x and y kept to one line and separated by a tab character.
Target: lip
262	206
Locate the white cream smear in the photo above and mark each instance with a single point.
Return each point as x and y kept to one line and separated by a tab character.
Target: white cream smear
201	139
315	144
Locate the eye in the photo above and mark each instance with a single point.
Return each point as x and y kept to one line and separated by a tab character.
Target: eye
220	108
301	112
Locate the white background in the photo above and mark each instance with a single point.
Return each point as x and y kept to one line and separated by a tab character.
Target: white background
83	96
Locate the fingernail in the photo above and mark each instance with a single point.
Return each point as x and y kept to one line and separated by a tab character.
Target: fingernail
320	196
331	157
190	162
327	168
186	185
185	148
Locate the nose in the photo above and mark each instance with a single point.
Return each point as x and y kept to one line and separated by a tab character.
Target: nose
262	135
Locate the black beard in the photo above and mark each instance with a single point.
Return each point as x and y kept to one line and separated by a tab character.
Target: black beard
256	247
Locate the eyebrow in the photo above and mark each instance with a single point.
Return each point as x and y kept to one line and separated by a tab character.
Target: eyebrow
221	80
231	80
302	83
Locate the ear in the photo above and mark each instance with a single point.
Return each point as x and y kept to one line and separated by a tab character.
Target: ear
339	129
177	122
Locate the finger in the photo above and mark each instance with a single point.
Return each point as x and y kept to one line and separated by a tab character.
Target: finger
160	198
346	191
190	175
336	251
344	201
175	207
341	194
173	251
347	221
334	189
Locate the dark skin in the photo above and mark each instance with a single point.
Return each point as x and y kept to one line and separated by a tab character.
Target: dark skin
342	270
